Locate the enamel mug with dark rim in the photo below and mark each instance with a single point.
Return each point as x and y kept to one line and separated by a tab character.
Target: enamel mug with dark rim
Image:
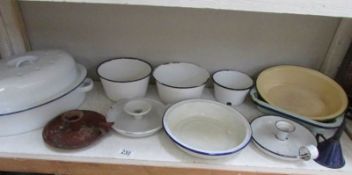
124	77
231	87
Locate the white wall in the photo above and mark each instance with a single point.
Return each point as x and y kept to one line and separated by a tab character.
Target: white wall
213	39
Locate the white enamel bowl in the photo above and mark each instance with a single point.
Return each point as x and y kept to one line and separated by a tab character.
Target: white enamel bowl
231	87
180	81
124	77
206	129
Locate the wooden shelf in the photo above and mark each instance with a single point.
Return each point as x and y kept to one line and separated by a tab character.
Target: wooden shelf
332	8
151	155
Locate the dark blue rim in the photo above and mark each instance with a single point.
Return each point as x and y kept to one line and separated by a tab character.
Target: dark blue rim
179	87
231	70
268	149
201	152
126	58
27	109
290	117
281	155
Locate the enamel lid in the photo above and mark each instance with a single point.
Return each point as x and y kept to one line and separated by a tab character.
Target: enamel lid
138	117
265	135
33	77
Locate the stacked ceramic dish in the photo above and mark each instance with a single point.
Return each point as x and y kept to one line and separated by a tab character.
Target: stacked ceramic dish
301	94
125	80
202	128
37	86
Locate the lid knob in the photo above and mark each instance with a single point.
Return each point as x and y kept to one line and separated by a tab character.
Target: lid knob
137	108
284	129
21	61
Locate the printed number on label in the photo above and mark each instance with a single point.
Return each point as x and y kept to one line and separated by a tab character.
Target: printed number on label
125	152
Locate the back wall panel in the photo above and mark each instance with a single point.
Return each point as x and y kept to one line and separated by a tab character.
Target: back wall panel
213	39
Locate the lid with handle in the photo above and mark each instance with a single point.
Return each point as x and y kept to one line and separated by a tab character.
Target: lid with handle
283	138
34	76
139	117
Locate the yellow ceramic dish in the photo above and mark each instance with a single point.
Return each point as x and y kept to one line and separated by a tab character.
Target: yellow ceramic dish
303	91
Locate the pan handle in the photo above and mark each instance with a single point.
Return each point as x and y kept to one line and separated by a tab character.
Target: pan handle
86	85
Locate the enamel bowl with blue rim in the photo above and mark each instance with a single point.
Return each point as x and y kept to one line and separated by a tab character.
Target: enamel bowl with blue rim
207	129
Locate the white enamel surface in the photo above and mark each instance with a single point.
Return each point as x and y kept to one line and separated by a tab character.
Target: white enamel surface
132	126
28	79
314	129
116	91
233	79
137	108
264	134
284	129
124	69
180	81
312	151
231	87
182	75
158	150
206	156
207	126
171	95
36	118
124	78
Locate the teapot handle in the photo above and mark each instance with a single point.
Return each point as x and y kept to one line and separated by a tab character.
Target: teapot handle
318	136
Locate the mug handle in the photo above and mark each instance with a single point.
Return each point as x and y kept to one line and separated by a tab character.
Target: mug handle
308	152
318	136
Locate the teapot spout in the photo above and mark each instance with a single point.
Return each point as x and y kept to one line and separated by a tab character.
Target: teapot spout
105	126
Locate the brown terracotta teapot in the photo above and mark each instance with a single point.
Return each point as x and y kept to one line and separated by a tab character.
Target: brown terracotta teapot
75	129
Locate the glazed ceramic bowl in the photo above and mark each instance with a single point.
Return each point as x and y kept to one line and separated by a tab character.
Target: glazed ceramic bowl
180	81
231	87
206	129
124	77
303	91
